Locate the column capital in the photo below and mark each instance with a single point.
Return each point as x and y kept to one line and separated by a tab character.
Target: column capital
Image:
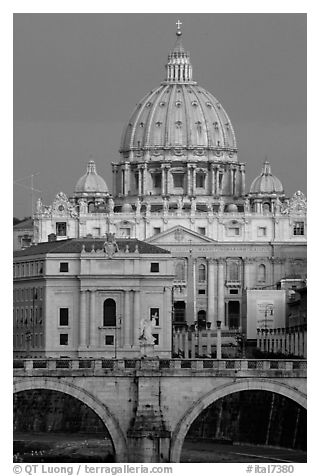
276	260
212	260
221	261
249	260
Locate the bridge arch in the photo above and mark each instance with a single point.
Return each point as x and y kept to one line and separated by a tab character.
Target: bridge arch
202	403
112	425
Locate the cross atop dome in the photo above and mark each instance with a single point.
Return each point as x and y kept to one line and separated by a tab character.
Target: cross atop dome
179	32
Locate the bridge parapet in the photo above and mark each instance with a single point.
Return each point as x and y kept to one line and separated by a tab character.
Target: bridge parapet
165	367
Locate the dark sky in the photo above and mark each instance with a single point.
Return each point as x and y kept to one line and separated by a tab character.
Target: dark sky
77	78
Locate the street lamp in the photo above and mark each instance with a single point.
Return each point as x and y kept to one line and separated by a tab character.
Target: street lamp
219	340
241	340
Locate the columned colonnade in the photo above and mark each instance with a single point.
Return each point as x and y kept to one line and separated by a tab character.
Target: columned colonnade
216	277
216	176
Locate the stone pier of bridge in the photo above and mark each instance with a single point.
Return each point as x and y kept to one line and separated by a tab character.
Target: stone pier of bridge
148	405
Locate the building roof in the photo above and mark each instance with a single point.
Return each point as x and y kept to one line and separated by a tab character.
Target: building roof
75	245
25	224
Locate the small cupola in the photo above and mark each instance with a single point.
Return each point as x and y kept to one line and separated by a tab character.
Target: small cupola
266	183
91	183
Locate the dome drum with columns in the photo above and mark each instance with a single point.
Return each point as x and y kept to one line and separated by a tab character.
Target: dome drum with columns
179	142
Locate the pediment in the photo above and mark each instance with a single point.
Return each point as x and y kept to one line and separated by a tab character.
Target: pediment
177	235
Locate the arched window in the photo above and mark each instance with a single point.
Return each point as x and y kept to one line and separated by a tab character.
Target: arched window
201	273
266	208
109	313
261	273
91	207
202	318
180	275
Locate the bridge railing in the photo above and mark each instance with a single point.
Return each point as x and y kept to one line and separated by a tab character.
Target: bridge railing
89	365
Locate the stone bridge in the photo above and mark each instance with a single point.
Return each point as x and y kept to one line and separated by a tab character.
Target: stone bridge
148	405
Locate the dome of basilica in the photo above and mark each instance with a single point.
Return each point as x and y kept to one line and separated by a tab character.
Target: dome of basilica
266	183
179	114
91	182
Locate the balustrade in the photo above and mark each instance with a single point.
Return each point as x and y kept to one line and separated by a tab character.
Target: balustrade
92	366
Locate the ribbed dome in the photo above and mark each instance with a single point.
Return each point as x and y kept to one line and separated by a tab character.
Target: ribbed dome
179	114
91	182
266	183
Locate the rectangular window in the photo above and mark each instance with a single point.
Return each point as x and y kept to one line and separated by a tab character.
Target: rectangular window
298	228
63	339
156	337
96	231
136	178
25	241
61	228
233	231
201	291
233	271
200	178
201	230
109	340
154	268
64	267
234	291
156	230
63	316
262	231
154	314
125	232
178	180
157	180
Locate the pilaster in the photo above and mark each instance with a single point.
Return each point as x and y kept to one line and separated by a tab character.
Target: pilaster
221	313
126	319
83	321
211	291
93	324
190	314
136	317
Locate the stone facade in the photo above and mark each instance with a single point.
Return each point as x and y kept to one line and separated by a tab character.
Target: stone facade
148	405
88	298
179	184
